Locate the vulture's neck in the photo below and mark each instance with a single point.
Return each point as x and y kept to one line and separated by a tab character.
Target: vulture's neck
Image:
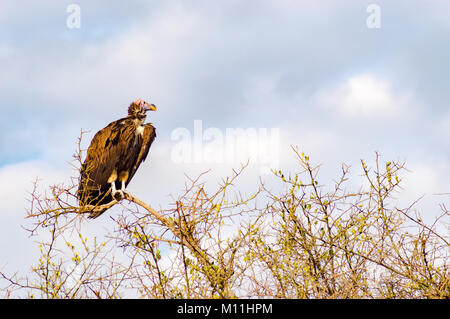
138	125
138	121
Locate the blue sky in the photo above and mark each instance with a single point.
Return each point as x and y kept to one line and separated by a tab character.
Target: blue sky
335	88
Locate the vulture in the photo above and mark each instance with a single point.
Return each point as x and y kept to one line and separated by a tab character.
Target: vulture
114	156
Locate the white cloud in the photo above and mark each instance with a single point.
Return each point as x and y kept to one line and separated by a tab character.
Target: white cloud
423	179
17	249
18	182
364	95
426	182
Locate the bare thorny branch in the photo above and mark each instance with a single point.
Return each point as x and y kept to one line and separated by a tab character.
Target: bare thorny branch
304	242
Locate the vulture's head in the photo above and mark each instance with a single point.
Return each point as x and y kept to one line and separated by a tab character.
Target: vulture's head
138	108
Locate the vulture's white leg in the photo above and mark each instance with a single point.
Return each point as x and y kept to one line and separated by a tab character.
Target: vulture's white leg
116	194
123	190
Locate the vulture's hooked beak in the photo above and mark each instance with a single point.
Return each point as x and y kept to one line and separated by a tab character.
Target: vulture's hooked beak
150	107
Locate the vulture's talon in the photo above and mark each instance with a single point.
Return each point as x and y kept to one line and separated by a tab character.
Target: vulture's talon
118	195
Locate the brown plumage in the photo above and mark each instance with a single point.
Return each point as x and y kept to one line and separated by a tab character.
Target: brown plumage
114	156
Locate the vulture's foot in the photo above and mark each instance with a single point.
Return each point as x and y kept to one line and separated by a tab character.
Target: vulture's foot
118	195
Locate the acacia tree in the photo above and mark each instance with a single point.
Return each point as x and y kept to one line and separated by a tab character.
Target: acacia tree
306	241
345	244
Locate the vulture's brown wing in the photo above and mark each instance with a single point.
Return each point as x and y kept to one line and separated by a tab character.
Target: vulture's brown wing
107	148
147	140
